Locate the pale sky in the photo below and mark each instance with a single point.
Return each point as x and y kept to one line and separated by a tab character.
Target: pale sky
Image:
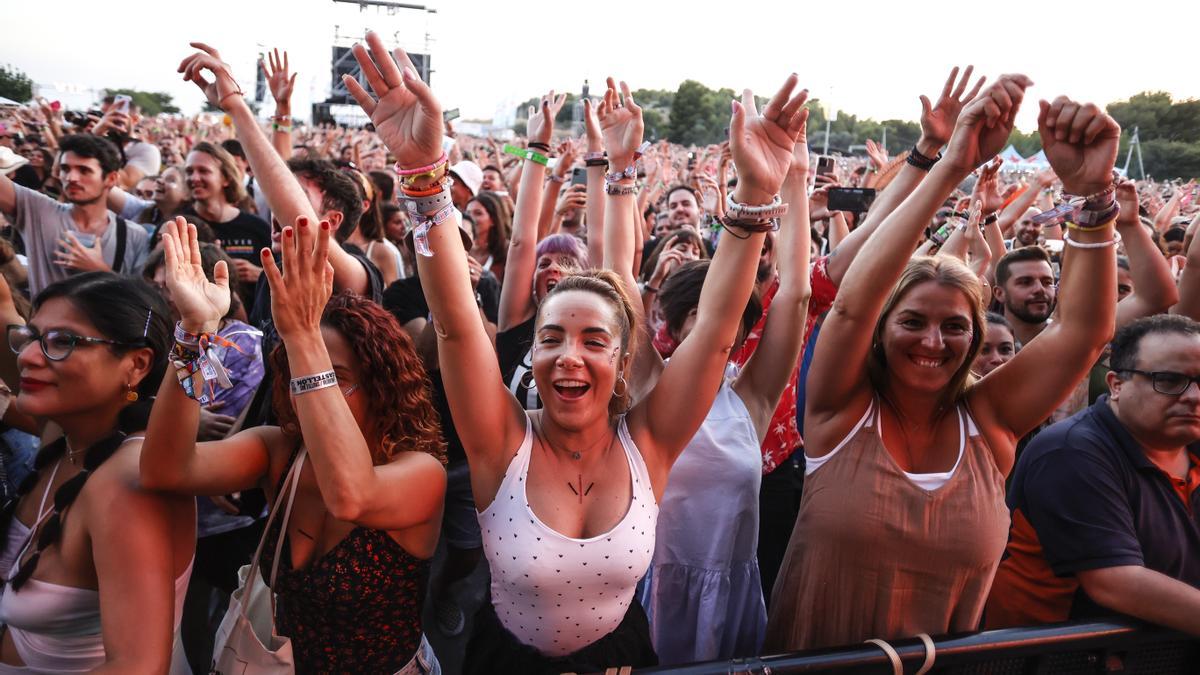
872	57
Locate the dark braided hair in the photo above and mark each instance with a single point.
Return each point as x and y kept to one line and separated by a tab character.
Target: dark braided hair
125	310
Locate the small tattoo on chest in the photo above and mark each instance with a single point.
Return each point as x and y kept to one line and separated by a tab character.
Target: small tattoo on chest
581	492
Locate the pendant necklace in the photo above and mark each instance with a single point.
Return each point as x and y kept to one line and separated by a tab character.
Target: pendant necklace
576	455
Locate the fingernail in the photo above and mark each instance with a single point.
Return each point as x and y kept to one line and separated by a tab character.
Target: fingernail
324	224
409	74
287	231
733	105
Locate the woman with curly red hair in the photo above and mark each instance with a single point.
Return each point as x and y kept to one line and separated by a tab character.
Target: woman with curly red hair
367	506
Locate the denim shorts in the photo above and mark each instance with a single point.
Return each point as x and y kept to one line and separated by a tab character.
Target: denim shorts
424	662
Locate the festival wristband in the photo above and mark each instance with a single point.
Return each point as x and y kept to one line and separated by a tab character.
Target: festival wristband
527	154
307	383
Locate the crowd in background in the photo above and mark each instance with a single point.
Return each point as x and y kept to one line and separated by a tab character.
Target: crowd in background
678	403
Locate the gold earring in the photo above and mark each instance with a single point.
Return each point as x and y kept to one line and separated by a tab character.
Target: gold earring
131	395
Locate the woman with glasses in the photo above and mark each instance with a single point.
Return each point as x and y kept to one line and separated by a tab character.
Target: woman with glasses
357	422
95	565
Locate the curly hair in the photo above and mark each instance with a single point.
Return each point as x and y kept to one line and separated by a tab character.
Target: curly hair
397	389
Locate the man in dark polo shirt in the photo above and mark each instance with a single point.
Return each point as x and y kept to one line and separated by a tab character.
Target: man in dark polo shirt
1106	515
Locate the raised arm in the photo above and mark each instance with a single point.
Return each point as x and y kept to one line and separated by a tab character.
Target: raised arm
1189	280
1080	142
594	214
408	490
1154	288
171	460
408	118
281	85
516	300
769	369
282	190
937	123
762	147
838	375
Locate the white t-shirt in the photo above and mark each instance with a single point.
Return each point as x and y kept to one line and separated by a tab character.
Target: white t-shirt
144	156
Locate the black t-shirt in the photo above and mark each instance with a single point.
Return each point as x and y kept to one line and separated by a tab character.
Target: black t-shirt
405	299
512	348
242	237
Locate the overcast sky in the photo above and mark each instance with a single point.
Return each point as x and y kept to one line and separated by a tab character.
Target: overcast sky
871	58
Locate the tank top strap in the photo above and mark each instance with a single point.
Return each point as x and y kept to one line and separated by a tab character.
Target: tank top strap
637	464
518	467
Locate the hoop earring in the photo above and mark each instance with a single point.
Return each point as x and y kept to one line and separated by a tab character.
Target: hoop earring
527	380
624	387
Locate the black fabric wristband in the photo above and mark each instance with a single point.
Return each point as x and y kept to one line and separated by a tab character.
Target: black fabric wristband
539	146
916	159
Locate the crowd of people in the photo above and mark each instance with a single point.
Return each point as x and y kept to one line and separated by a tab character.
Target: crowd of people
681	404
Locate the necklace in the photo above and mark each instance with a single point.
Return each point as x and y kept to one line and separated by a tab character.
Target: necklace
71	454
576	455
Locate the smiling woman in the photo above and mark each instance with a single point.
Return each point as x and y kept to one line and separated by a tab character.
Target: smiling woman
895	423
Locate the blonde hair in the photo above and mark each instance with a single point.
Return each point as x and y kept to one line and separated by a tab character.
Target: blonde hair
946	271
234	191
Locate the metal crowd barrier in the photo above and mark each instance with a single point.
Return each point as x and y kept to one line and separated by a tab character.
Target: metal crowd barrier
1062	649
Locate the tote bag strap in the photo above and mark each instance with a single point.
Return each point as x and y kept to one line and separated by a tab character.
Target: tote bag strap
293	477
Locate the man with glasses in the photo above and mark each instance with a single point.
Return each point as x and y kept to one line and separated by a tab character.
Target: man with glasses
1105	510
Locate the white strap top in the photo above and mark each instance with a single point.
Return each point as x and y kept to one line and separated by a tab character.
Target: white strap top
556	593
56	628
925	481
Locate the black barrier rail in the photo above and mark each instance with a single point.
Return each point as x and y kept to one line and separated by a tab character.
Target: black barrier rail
1066	649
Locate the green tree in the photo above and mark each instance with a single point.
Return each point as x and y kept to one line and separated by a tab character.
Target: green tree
1169	132
151	102
15	84
1026	143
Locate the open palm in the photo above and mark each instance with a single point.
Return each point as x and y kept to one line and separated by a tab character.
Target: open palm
620	124
541	121
938	120
762	145
199	301
406	115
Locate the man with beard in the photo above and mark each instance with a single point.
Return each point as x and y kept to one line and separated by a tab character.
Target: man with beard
683	208
82	234
1027	232
1025	286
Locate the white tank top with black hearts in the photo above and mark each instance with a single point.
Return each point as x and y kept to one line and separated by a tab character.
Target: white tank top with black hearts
553	592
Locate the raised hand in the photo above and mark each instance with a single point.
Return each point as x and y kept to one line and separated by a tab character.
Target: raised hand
985	123
761	145
223	87
541	119
621	125
1080	142
300	292
591	125
407	116
1127	197
201	303
987	187
276	72
938	120
876	152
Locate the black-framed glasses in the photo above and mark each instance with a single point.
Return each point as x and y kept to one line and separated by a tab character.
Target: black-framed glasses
56	344
1166	382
